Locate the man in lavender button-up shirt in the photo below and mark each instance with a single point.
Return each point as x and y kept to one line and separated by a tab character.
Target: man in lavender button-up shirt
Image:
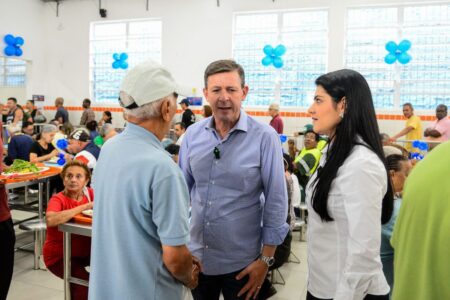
229	161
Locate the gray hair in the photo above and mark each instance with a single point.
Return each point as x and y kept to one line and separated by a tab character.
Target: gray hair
106	129
49	128
149	110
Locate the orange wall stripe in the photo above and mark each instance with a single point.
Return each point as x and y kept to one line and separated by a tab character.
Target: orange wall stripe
257	113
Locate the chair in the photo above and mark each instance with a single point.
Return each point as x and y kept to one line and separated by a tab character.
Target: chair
38	226
300	223
295	260
273	279
281	256
300	226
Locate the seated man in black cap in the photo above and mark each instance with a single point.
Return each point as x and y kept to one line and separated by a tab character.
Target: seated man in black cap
188	117
83	148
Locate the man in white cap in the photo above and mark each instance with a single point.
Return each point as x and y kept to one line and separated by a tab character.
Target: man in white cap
140	227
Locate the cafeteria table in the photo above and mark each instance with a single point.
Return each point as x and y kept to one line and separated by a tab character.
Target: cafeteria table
68	229
30	180
13	182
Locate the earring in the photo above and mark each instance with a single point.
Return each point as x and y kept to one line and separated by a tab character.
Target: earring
341	115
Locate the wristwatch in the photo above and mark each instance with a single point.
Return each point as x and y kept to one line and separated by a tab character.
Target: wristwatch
269	261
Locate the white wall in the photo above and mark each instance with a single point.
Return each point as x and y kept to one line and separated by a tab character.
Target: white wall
17	92
26	18
195	32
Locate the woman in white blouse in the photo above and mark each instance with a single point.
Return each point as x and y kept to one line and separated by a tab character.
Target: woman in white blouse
349	196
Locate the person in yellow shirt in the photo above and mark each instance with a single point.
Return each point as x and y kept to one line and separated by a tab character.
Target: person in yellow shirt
413	129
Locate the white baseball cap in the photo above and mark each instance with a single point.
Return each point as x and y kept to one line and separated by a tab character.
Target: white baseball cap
146	83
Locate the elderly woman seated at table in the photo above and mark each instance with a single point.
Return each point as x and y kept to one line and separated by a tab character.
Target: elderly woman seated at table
399	167
42	149
62	207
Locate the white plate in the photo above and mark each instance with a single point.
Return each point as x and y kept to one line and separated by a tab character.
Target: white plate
41	169
53	160
88	212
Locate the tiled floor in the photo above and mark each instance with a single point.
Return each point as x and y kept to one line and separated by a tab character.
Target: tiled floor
32	284
40	284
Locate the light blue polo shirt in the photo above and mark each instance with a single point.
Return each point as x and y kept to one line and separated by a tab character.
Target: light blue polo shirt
141	202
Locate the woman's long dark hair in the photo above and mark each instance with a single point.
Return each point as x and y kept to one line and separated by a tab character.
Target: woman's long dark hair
109	115
359	120
393	162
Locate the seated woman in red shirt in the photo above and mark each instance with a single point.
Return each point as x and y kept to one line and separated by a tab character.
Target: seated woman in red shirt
62	207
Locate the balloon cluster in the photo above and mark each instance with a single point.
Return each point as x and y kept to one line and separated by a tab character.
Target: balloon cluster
422	146
60	143
398	52
273	56
13	45
120	61
61	161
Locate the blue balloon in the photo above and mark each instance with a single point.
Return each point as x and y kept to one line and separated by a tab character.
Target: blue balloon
404	58
124	65
61	162
123	56
116	64
19	41
283	138
18	51
391	47
423	146
62	144
116	56
10	51
9	39
416	144
278	62
266	61
414	155
404	45
390	59
280	50
268	50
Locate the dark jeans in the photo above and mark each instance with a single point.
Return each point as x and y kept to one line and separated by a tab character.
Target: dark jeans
210	286
7	241
77	292
368	297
